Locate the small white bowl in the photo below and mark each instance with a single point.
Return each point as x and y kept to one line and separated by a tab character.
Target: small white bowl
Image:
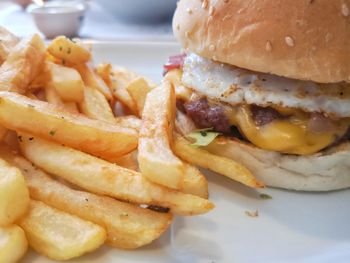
59	18
140	11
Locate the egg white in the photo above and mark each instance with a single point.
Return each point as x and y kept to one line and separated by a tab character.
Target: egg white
236	86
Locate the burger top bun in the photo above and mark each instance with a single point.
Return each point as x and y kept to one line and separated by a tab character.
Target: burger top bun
300	39
324	171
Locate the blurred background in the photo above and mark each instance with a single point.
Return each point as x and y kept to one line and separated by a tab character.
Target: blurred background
108	20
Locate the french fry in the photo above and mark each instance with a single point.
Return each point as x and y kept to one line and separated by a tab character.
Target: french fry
14	194
182	92
104	71
3	132
120	78
42	78
129	161
194	182
58	235
52	97
127	225
20	113
67	82
68	51
156	160
93	80
138	89
13	244
220	165
96	106
22	64
3	53
184	124
71	107
7	42
101	177
11	141
129	121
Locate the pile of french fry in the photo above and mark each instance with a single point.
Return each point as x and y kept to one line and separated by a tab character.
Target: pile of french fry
91	154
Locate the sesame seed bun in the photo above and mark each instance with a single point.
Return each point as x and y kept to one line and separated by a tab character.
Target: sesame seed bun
324	171
300	39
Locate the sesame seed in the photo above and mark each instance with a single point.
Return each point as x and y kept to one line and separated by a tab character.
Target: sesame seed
211	48
187	34
328	37
205	4
300	22
268	46
345	10
215	57
211	10
226	17
189	11
289	41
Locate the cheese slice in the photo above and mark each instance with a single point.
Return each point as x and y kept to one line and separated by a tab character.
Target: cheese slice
283	135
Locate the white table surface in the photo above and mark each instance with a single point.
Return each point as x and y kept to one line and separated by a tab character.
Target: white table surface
98	25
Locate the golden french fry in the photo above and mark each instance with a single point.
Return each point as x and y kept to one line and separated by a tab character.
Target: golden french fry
3	132
104	70
183	124
14	194
67	82
13	244
156	160
101	177
128	226
68	51
194	182
3	53
120	78
42	78
182	92
7	42
138	89
93	80
71	107
99	138
129	161
96	106
58	235
11	140
124	97
129	121
52	97
22	64
220	165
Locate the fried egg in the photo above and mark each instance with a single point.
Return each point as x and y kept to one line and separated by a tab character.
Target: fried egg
235	86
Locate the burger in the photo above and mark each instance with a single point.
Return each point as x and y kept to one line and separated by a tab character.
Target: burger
272	78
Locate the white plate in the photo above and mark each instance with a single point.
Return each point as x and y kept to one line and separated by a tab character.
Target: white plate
292	227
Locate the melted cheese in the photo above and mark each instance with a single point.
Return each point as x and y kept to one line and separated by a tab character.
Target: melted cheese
284	135
287	136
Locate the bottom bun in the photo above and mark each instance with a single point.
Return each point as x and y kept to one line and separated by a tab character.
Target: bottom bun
324	171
